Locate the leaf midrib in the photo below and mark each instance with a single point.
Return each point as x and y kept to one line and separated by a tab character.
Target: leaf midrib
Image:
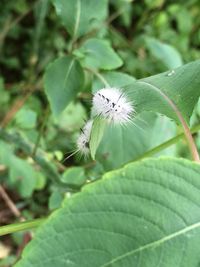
68	72
154	244
77	20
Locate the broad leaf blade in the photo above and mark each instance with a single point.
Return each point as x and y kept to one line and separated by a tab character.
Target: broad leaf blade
97	132
146	213
79	16
181	85
63	80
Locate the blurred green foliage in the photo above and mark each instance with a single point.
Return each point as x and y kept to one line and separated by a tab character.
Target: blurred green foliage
138	38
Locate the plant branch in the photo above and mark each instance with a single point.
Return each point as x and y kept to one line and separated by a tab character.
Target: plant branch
15	108
165	145
10	203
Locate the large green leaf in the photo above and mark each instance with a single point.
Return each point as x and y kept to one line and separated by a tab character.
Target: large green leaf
79	16
63	80
181	85
98	54
146	214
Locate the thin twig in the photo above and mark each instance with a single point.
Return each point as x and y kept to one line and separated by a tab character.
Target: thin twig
15	108
11	204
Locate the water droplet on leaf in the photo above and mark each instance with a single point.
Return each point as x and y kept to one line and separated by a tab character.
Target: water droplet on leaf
172	72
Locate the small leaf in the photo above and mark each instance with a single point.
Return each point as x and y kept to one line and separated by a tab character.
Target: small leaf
22	175
26	118
98	54
74	176
97	132
55	200
146	214
72	117
79	16
63	79
169	56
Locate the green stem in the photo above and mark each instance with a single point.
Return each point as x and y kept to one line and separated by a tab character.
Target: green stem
22	226
41	130
99	76
166	144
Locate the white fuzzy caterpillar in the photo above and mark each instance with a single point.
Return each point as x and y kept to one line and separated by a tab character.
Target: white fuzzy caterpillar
84	138
113	105
82	142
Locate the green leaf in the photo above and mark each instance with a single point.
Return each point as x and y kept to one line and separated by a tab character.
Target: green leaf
120	145
98	54
72	117
97	132
181	85
63	79
55	200
145	214
79	16
22	176
124	8
74	176
114	79
154	3
26	118
169	56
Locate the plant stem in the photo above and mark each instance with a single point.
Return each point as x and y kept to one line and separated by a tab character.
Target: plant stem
41	131
99	76
22	226
10	203
15	108
166	144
